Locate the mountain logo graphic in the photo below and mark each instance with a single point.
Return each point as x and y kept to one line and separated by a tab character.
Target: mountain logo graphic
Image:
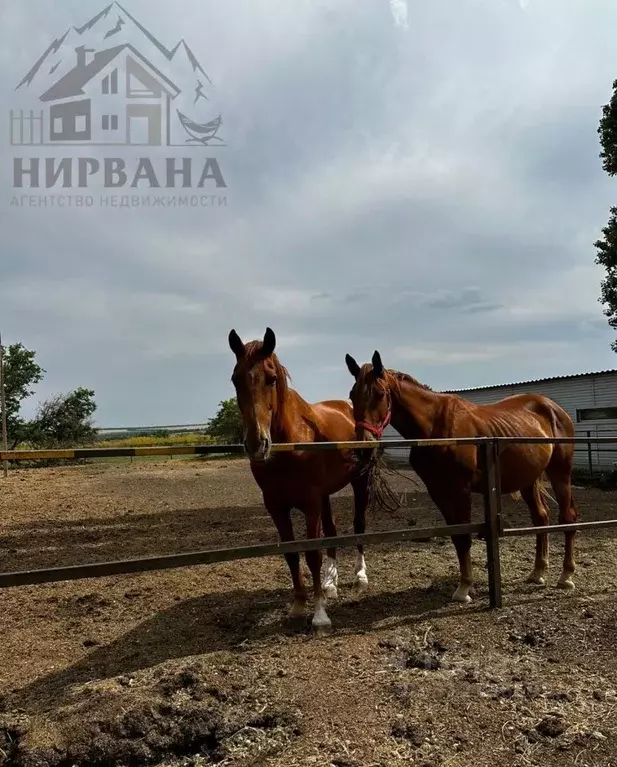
110	82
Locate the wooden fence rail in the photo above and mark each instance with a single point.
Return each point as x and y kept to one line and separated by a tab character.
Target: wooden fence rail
131	452
191	558
491	530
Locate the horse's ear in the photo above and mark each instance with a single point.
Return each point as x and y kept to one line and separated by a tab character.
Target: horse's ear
352	366
269	343
377	365
236	344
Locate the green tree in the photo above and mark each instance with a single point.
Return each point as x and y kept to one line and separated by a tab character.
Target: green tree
21	373
227	426
606	247
607	131
64	420
607	257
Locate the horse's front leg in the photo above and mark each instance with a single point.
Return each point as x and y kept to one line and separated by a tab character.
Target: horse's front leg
330	580
313	510
281	516
455	507
361	494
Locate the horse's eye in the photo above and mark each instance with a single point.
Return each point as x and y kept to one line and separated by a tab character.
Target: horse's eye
271	380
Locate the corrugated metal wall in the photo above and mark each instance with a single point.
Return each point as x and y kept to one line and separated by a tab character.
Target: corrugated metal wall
396	454
572	394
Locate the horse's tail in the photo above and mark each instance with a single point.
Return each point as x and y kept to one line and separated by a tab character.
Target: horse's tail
541	483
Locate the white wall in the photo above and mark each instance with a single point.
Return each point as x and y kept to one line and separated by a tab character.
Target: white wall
396	454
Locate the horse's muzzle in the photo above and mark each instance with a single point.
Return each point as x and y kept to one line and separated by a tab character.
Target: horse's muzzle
258	451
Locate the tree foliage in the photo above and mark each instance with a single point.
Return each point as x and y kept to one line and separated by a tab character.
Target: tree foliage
64	420
607	257
607	130
21	373
226	426
606	246
61	420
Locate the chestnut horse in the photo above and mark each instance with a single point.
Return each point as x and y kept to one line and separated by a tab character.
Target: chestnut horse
273	412
452	473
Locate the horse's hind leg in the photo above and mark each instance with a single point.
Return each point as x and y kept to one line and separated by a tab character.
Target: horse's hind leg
330	580
539	517
559	472
462	544
361	493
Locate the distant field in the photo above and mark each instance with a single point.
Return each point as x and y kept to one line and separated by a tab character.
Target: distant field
143	441
172	439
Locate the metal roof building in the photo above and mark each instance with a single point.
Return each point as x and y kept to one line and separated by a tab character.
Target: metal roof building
589	398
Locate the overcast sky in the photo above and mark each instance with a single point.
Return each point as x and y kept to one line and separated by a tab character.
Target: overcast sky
422	178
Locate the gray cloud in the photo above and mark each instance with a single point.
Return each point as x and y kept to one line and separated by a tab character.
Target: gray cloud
432	191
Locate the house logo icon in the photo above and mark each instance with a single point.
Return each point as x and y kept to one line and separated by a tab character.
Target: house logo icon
110	83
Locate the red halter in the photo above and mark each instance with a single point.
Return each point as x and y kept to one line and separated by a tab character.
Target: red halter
376	431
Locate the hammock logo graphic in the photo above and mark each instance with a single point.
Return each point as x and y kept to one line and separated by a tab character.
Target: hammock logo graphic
111	82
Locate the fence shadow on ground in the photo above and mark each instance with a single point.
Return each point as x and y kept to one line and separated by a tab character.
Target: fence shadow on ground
60	543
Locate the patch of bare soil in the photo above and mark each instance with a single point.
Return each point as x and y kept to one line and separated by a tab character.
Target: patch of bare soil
145	717
197	666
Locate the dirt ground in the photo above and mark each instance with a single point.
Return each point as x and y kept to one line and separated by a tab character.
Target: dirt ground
197	666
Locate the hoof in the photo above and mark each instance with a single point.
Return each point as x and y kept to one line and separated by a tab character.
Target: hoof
462	597
536	579
566	583
296	624
297	613
330	591
360	586
322	629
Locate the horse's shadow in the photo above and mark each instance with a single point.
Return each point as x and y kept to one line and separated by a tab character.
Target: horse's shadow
224	622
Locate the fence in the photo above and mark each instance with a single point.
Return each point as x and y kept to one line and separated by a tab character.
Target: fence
596	458
491	530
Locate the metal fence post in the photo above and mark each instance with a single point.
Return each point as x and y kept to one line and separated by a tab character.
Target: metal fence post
589	454
492	518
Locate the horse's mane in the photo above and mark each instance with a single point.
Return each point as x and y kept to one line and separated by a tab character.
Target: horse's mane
396	377
252	350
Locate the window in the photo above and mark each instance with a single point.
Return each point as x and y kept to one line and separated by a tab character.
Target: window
58	125
80	124
109	84
109	123
596	414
